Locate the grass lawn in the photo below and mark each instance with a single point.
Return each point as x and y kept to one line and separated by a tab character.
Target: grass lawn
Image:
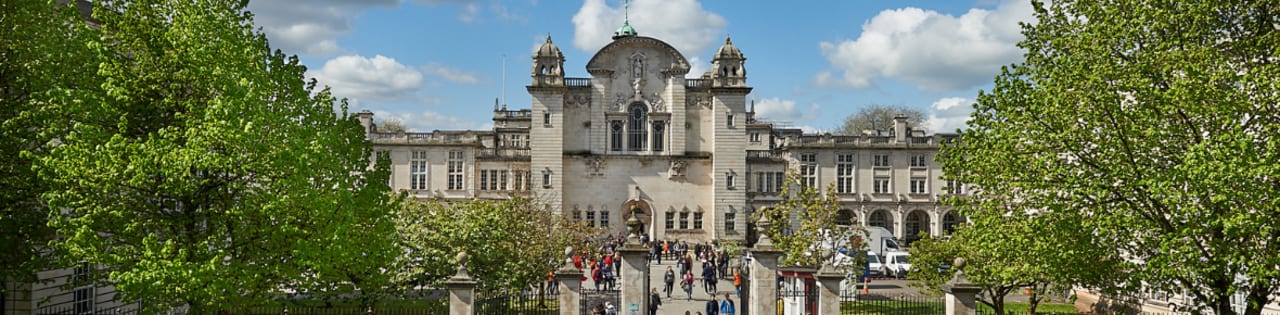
925	307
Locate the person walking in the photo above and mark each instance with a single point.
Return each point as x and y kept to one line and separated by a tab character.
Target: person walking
668	280
654	301
688	285
709	279
713	306
597	276
737	282
726	306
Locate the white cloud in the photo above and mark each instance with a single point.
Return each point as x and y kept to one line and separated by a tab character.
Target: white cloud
377	78
949	114
451	74
682	23
427	121
309	27
469	12
931	50
785	111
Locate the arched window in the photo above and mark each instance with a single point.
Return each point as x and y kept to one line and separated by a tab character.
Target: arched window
637	128
949	222
844	217
615	135
658	133
880	218
917	221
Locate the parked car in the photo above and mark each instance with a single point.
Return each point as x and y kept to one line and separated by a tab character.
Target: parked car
897	264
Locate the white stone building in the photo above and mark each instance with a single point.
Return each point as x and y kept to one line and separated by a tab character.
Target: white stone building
683	153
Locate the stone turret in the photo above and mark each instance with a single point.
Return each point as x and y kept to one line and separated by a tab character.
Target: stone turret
548	65
728	66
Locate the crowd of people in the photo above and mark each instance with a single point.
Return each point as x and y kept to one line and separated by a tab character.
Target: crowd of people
601	264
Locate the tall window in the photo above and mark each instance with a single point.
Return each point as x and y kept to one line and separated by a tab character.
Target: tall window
493	179
418	170
919	185
729	120
918	160
546	178
755	137
604	218
844	173
684	220
520	180
730	221
769	182
83	294
671	220
591	218
730	180
881	185
697	220
659	129
636	128
880	160
546	119
615	135
954	187
455	170
809	169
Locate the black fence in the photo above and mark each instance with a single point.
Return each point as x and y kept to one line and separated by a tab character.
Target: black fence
852	303
439	307
525	303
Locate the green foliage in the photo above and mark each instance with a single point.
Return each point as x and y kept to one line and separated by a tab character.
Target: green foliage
804	219
196	166
511	244
880	117
41	49
1153	127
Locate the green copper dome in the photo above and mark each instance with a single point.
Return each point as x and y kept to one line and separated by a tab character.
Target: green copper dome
625	31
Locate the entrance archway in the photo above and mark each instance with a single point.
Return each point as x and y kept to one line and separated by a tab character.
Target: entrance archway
917	221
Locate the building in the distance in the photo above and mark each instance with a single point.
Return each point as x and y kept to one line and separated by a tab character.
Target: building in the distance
684	154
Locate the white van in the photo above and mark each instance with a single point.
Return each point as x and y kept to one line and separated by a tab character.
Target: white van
897	264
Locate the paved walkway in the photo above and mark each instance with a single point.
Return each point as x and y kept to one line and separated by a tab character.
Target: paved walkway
679	302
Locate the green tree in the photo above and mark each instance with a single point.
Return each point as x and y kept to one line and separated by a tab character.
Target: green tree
1011	250
392	125
1154	125
42	48
511	243
803	225
203	170
880	117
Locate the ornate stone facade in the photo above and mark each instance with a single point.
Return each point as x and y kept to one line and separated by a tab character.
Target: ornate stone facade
587	147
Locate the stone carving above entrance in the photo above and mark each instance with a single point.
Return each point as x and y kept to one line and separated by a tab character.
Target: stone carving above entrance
677	168
596	165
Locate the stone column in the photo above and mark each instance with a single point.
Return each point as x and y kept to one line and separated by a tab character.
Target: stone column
634	271
462	289
570	279
764	273
828	281
961	294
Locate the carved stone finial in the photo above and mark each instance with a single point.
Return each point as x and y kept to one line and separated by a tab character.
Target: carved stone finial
958	264
461	260
762	226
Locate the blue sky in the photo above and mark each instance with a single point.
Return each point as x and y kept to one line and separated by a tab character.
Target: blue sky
438	64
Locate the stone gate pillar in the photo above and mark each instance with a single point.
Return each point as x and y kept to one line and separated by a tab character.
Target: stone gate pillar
961	294
462	289
764	273
570	279
635	278
828	281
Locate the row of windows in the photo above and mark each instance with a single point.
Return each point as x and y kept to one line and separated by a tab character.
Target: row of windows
684	220
637	132
877	160
772	182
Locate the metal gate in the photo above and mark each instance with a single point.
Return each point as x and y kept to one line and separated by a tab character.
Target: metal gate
745	296
591	298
